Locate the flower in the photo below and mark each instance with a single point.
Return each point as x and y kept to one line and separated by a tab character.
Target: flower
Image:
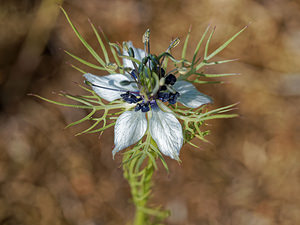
136	87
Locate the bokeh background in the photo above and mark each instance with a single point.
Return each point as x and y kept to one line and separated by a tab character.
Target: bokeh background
249	173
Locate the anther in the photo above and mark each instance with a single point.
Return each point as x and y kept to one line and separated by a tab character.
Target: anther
163	88
138	107
145	107
163	96
170	79
142	106
130	98
173	98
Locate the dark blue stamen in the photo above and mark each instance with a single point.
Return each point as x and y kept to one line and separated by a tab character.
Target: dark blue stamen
170	79
173	98
163	96
130	98
137	107
145	107
163	88
168	97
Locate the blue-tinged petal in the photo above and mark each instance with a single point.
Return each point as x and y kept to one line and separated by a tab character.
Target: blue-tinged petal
110	82
166	131
129	129
139	54
190	96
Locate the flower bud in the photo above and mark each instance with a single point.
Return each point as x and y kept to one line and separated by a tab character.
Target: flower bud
174	43
146	36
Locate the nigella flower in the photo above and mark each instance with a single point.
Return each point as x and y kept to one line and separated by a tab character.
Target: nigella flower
142	90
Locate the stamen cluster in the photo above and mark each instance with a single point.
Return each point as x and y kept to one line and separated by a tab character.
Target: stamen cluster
131	98
163	93
168	97
166	93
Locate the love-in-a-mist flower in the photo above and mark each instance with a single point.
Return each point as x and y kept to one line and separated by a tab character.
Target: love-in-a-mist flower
154	100
144	86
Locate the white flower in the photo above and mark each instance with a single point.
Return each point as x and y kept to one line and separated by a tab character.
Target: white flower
132	125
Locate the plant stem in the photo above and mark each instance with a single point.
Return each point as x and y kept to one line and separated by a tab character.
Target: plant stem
139	217
138	170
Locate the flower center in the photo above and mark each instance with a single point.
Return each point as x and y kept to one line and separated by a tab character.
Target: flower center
153	84
166	93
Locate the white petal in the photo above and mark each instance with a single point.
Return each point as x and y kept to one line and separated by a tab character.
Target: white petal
190	96
139	54
110	81
129	129
166	131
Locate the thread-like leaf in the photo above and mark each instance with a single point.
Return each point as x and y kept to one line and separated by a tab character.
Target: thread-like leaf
88	129
83	41
207	43
205	63
206	82
217	75
62	104
185	44
113	51
220	62
85	62
78	69
100	42
199	44
222	116
217	110
225	44
102	128
75	98
81	120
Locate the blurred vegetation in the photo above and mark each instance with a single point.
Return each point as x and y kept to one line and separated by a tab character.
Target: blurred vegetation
248	174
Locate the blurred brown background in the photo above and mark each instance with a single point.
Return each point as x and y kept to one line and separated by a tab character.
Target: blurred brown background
248	175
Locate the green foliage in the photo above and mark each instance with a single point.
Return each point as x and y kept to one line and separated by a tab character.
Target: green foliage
95	105
196	64
106	66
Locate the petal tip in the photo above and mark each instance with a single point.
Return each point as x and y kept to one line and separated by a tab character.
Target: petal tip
175	157
114	152
88	76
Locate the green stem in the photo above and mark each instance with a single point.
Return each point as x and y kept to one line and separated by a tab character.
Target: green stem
139	217
138	167
138	170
